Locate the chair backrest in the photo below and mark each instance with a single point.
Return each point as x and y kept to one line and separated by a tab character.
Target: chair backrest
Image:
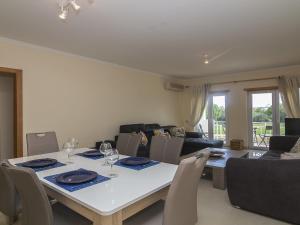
128	144
181	203
36	209
166	149
157	147
41	143
8	195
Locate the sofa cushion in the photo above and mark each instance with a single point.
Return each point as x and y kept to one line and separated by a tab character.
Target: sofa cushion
193	135
192	145
282	143
167	128
151	126
158	132
177	131
130	128
144	139
199	142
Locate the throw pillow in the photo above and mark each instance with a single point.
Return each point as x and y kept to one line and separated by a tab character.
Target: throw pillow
158	132
161	132
144	139
289	155
177	131
296	148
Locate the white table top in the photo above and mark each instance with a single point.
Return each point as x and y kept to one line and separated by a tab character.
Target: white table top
110	196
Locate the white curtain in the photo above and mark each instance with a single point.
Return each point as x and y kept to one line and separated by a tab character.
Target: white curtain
192	103
289	92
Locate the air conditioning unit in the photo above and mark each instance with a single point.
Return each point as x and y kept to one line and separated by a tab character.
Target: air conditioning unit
170	86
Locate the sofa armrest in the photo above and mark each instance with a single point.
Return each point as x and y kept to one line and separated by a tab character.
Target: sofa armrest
193	135
269	187
282	143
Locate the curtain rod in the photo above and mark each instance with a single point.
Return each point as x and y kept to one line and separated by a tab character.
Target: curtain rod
240	81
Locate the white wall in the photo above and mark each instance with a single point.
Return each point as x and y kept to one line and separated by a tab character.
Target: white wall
6	117
85	98
237	96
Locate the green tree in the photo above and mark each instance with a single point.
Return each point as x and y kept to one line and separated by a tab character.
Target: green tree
218	112
262	114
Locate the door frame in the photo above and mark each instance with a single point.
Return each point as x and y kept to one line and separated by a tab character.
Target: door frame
275	114
210	114
17	75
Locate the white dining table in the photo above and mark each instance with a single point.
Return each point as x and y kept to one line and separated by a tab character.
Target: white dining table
112	201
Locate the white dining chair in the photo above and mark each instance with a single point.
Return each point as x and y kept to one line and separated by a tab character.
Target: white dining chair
181	203
166	149
36	208
9	203
41	143
128	144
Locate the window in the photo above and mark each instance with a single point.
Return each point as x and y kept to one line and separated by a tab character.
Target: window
214	120
266	117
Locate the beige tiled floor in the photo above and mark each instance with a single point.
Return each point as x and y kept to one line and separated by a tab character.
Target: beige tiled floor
214	209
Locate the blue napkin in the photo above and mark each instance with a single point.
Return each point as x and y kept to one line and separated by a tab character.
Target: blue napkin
39	169
137	167
76	187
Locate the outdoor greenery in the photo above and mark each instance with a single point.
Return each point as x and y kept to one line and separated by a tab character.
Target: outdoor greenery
262	117
264	114
218	113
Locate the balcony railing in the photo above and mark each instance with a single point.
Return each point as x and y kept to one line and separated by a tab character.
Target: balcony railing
220	130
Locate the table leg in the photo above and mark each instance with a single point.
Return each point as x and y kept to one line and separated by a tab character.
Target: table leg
115	219
219	180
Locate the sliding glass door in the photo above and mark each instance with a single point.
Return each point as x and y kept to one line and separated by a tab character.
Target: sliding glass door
266	117
214	120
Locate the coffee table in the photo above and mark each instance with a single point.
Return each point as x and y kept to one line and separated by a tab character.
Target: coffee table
218	165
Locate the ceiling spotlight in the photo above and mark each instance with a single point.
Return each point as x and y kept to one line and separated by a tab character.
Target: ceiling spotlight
75	5
206	61
66	6
63	14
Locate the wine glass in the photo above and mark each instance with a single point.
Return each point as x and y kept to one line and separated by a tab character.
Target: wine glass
112	158
105	148
68	147
74	142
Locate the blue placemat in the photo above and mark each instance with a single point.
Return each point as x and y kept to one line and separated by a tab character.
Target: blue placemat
138	167
39	169
90	157
76	187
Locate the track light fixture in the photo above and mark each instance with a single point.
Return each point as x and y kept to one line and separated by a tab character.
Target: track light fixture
75	6
205	57
63	13
65	6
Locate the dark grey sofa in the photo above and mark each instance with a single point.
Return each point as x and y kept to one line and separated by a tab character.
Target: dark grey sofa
193	141
268	185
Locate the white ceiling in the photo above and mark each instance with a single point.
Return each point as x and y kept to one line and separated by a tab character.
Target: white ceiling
164	36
